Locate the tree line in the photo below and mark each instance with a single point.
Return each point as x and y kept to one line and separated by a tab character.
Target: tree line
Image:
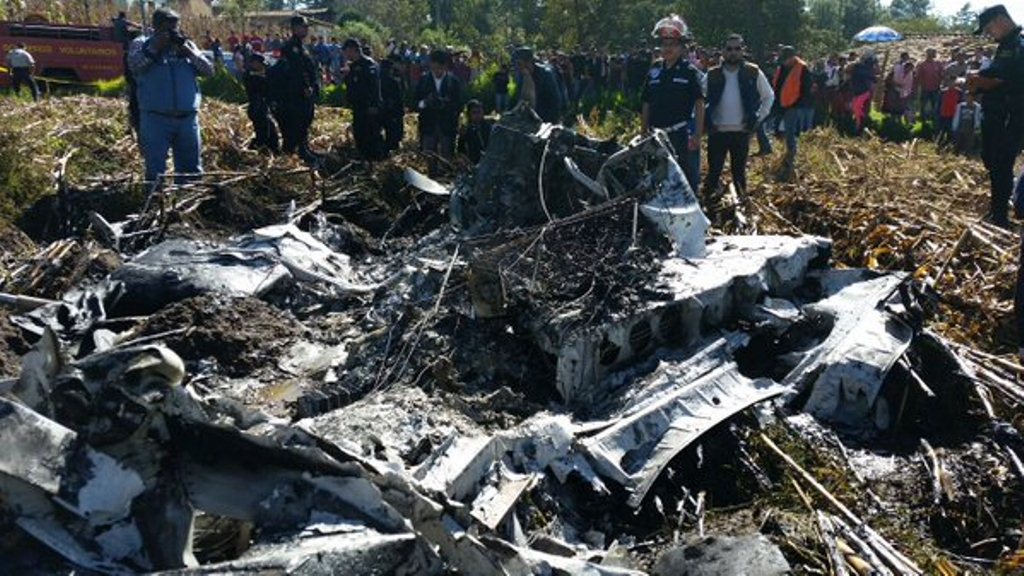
815	26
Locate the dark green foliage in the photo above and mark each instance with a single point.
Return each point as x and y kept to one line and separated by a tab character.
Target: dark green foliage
223	86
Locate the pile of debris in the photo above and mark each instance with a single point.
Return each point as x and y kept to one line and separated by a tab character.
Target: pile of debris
557	372
913	207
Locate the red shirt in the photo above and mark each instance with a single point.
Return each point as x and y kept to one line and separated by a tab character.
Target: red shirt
950	99
929	75
232	41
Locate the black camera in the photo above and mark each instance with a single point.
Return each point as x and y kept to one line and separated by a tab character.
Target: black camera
177	38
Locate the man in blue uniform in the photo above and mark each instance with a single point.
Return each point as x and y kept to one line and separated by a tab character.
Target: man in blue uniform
673	97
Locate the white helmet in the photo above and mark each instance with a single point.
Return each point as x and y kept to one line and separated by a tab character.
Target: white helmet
672	26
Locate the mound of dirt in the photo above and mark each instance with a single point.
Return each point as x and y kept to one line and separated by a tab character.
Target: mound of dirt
242	334
17	247
12	347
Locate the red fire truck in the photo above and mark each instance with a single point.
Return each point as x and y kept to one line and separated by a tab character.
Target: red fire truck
66	52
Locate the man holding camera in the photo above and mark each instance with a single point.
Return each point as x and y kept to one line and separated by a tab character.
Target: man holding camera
166	67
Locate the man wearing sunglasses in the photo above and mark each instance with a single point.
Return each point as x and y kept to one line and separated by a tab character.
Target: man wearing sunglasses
673	97
739	97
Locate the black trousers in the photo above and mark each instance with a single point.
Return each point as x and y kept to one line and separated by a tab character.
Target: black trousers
21	76
367	131
1018	298
295	118
263	127
1000	143
394	131
737	146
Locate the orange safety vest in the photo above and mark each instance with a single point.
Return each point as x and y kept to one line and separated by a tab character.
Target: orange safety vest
789	94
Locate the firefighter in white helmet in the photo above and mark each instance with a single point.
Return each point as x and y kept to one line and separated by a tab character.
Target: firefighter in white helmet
673	97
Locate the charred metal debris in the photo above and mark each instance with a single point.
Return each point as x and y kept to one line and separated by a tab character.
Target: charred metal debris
549	367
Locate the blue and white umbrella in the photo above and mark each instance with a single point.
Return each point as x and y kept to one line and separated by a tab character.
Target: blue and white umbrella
877	34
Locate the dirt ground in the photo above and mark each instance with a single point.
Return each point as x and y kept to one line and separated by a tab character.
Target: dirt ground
12	347
243	335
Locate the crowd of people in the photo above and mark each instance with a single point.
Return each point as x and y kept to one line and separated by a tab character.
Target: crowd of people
685	89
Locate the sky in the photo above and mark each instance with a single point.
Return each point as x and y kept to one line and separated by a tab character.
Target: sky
949	7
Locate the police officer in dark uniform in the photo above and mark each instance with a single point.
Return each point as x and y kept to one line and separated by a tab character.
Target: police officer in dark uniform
258	109
392	103
673	97
124	32
362	87
1001	87
295	88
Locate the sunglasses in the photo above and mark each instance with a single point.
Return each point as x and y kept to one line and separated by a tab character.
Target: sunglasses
734	49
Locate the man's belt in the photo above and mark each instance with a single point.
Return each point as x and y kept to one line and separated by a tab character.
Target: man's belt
172	114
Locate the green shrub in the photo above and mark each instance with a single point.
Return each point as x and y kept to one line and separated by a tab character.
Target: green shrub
223	86
482	88
609	101
333	95
364	31
111	88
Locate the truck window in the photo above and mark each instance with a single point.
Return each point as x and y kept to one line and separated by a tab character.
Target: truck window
61	32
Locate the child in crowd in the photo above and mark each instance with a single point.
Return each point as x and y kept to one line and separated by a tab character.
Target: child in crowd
948	103
476	134
257	90
967	124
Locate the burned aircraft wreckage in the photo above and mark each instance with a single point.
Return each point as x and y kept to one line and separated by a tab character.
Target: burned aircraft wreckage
576	288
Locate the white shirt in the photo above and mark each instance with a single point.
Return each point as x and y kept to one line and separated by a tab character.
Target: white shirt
438	82
833	75
963	107
20	58
728	116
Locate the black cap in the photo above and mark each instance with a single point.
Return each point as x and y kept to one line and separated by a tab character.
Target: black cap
988	15
164	14
299	20
522	53
787	52
351	43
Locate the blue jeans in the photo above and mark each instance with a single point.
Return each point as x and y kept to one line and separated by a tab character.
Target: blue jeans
159	134
500	102
797	121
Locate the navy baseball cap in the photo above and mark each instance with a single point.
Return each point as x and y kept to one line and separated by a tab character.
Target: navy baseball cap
988	15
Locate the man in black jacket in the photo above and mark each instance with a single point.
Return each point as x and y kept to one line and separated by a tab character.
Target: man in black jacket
438	102
295	88
392	103
362	87
539	85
